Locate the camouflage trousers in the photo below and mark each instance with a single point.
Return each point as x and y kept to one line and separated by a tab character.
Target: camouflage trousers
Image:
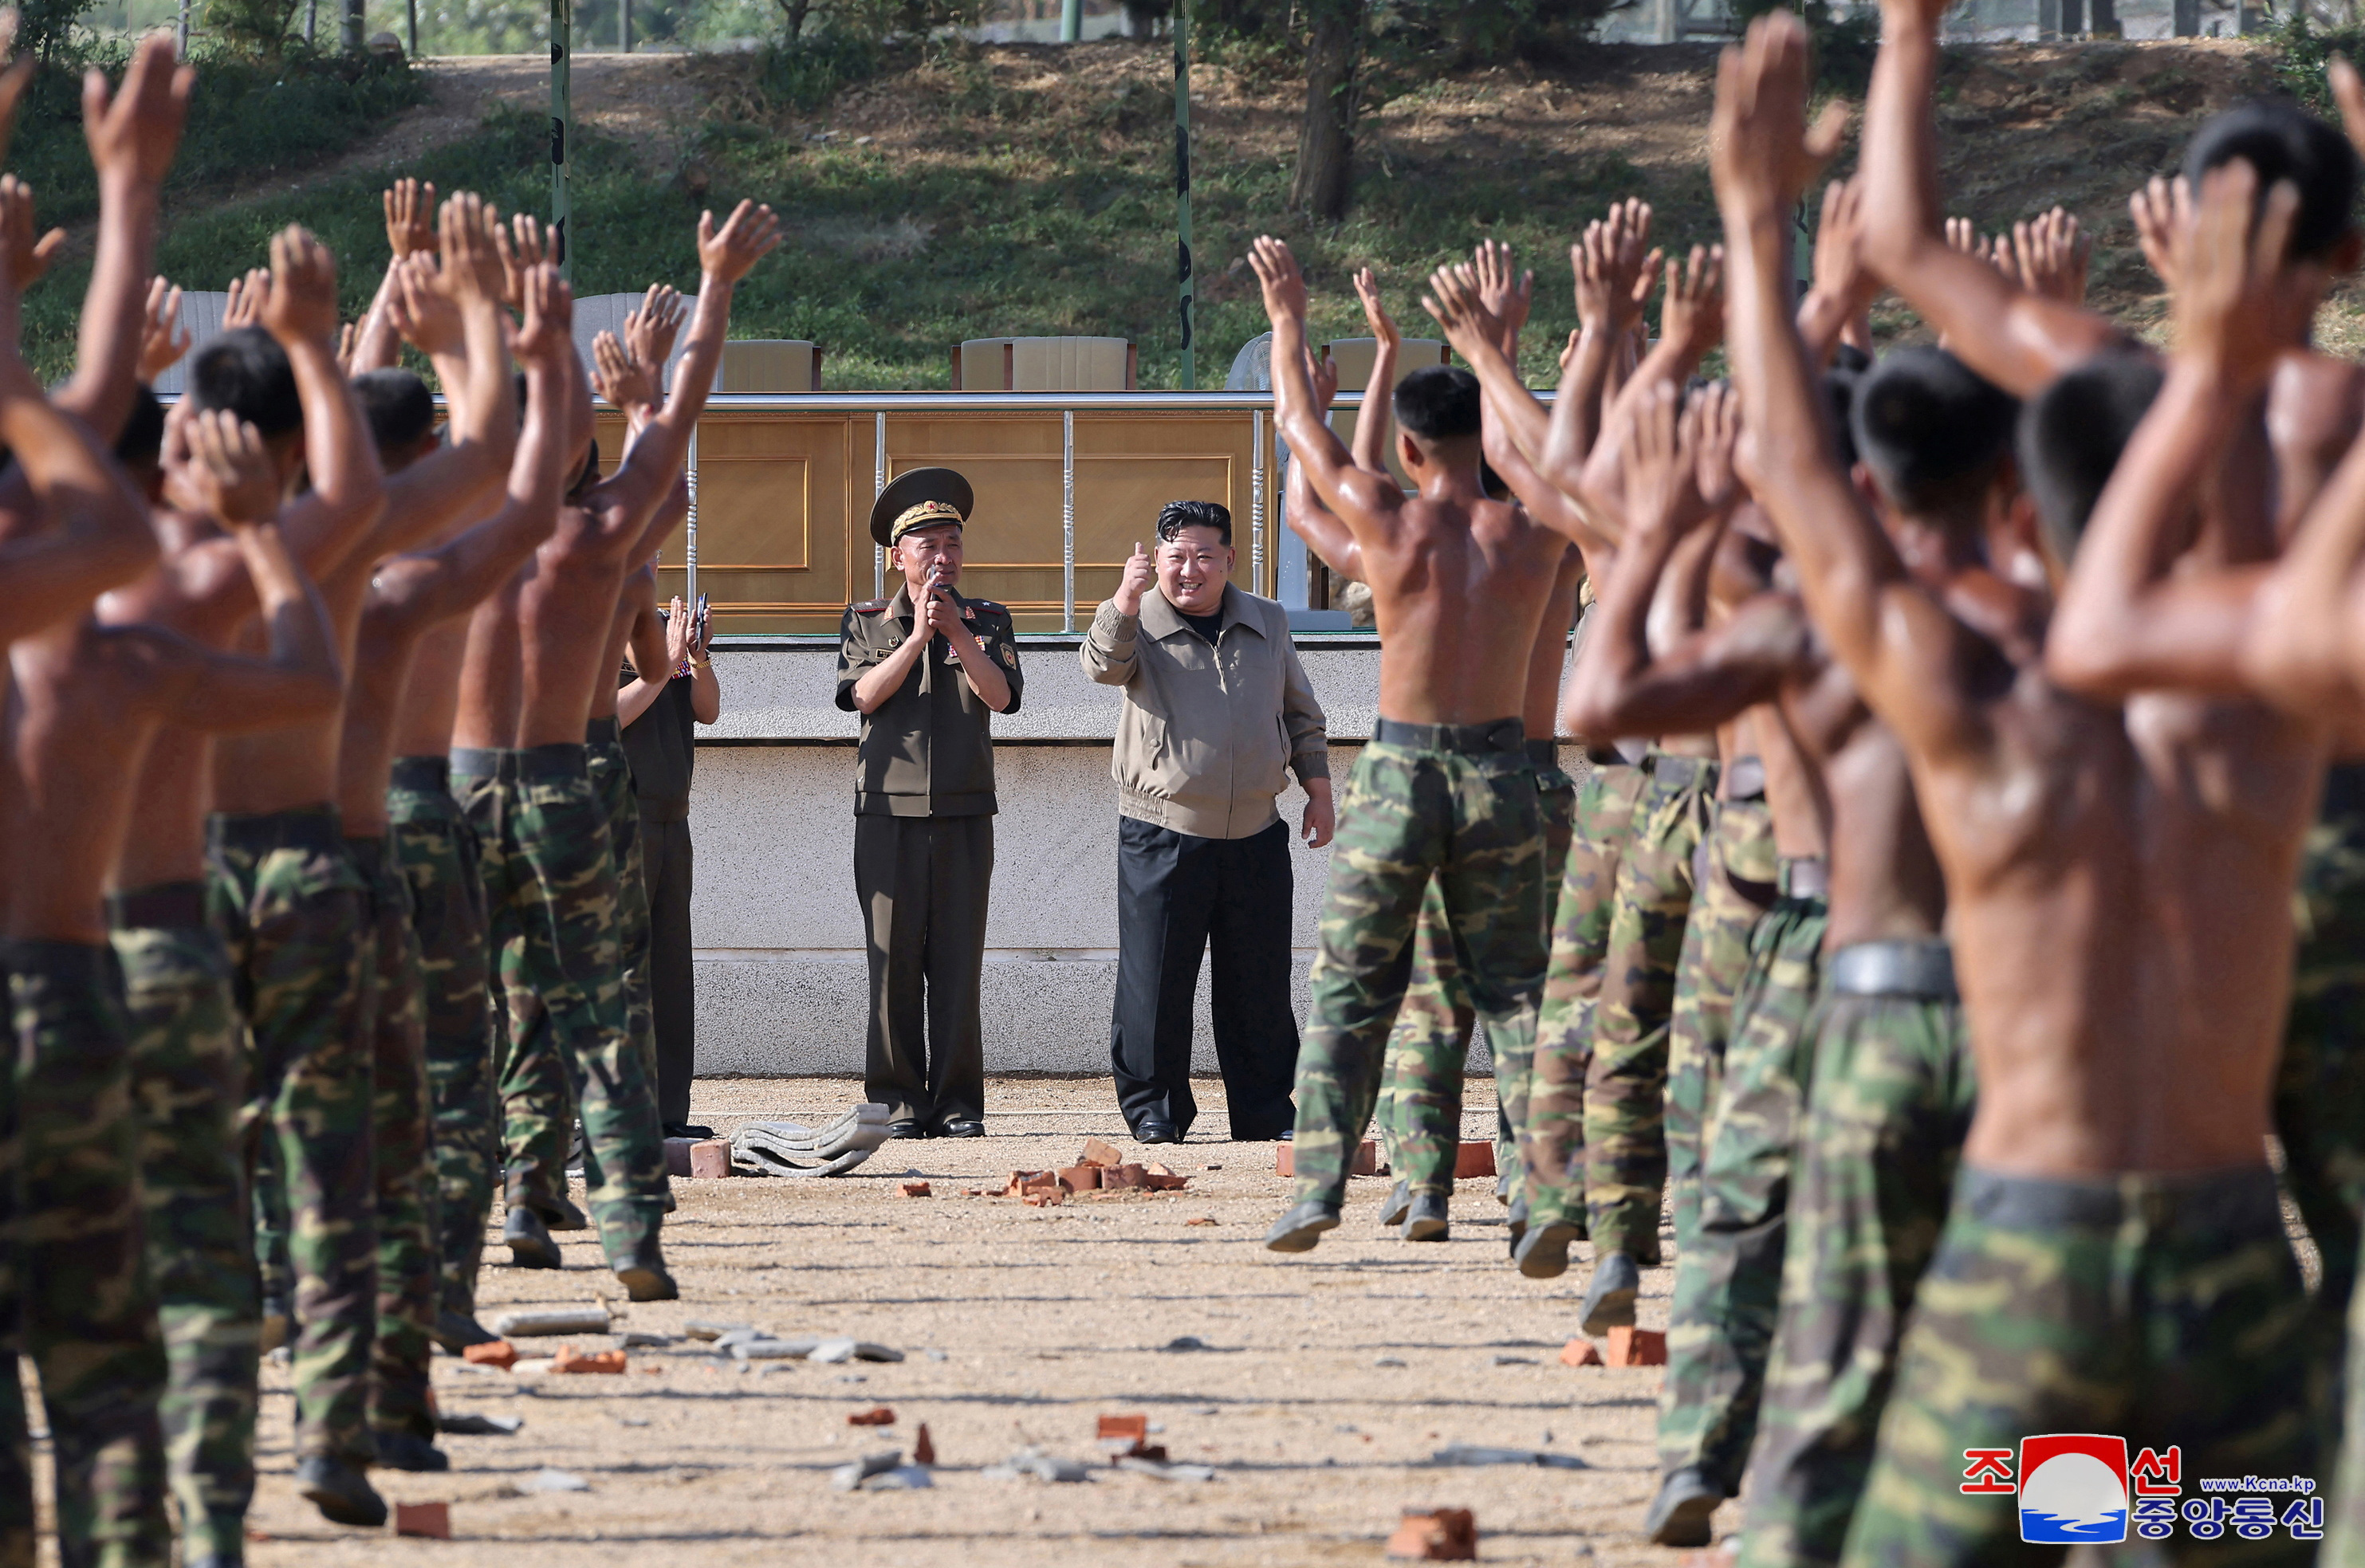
409	1283
550	890
1739	848
1550	1175
438	854
1892	1094
2320	1091
79	1299
2164	1308
188	1084
611	778
1468	818
293	913
1626	1081
1728	1282
1429	1049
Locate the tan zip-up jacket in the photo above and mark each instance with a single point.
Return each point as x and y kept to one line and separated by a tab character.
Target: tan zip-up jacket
1209	734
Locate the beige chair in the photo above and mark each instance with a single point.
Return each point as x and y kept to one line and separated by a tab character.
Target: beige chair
770	364
1353	357
1045	364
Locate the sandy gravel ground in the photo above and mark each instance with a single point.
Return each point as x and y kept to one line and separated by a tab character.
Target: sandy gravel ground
1327	1382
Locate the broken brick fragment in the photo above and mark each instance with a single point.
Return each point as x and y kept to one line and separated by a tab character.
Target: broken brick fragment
495	1353
1580	1352
1474	1160
570	1359
431	1520
1097	1152
1441	1535
710	1158
1366	1162
677	1150
1043	1200
1134	1427
923	1448
1125	1176
915	1189
1202	1219
878	1415
1637	1347
1081	1178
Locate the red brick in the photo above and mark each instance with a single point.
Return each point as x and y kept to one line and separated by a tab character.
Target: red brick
1081	1178
569	1360
915	1189
677	1157
1125	1176
1168	1183
710	1158
1099	1153
1202	1219
498	1353
1580	1353
1133	1427
432	1521
1282	1164
1474	1160
879	1416
1637	1347
923	1448
1043	1200
1366	1162
1442	1535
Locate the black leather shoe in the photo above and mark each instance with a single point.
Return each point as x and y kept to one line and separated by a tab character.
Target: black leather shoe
342	1493
963	1129
1156	1132
1542	1252
455	1331
1399	1200
690	1130
1609	1296
403	1451
1302	1226
906	1129
1425	1219
528	1240
1679	1515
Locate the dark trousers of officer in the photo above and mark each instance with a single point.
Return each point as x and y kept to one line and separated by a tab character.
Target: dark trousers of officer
1179	896
923	882
673	984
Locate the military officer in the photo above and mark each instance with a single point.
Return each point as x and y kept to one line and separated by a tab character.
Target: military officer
925	670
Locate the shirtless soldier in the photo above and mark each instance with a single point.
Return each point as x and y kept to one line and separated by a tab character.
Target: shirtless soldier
1459	584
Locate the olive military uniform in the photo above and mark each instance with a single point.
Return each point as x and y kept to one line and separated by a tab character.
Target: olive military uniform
923	857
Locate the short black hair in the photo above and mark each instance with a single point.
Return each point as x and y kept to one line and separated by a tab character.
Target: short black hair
1176	516
1930	429
142	444
1438	402
2071	436
397	405
247	372
2283	142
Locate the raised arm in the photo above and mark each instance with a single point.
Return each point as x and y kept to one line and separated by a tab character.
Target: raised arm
1898	643
1363	500
1691	322
1330	540
648	683
1376	419
299	311
1837	306
1110	652
1613	271
410	230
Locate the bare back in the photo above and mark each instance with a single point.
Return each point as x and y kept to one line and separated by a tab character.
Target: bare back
1549	662
278	770
567	620
1458	590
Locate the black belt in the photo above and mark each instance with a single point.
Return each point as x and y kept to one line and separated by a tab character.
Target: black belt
161	906
482	762
1544	753
599	731
2240	1198
1475	740
1684	772
368	851
1745	780
304	827
1806	877
422	774
556	761
1922	968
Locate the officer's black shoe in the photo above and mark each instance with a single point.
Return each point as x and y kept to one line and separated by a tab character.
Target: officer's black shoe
1609	1299
690	1130
906	1128
1518	1223
1426	1220
1156	1132
645	1276
528	1240
1302	1226
1542	1251
962	1128
1679	1515
1399	1200
455	1331
405	1451
342	1493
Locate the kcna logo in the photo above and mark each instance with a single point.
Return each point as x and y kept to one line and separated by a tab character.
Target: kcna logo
2073	1487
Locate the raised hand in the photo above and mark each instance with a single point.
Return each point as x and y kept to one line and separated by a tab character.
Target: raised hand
1375	313
1324	373
229	469
349	341
545	335
244	306
619	377
1761	150
651	328
677	639
1505	293
467	234
1839	269
2050	255
134	130
162	339
522	249
2162	211
747	236
1611	266
1711	429
422	309
409	216
2240	303
1693	313
1454	300
299	302
28	258
1278	276
1140	573
1662	463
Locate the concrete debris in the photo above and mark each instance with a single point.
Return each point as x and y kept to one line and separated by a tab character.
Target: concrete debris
937	1356
770	1350
700	1328
1166	1470
1469	1454
1389	1362
549	1480
836	1351
474	1425
878	1415
1184	1342
534	1366
1514	1361
1097	1152
1041	1466
902	1478
640	1339
1440	1535
551	1324
846	1477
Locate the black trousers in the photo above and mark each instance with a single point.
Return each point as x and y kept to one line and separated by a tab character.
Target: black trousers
1179	896
673	984
923	882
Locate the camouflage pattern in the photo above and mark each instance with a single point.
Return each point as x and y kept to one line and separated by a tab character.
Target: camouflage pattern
2344	1535
188	1084
408	1279
274	1269
1891	1099
84	1309
550	889
1549	1174
438	854
292	911
1626	1081
2168	1309
611	779
2320	1090
1472	821
1708	976
1430	1047
1729	1281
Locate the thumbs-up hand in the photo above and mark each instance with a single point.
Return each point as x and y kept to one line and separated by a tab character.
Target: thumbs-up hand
1139	574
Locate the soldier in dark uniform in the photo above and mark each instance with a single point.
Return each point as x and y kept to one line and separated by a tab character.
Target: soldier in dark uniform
924	669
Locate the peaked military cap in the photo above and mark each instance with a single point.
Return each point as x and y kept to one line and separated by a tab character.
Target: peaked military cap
921	498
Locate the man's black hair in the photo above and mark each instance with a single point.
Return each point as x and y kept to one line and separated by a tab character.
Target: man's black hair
2283	142
246	372
1930	429
1176	516
2071	436
1438	402
397	405
142	444
1840	384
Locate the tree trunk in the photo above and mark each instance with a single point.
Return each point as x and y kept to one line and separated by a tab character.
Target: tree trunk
1326	143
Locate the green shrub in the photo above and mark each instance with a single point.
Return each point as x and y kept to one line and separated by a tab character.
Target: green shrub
2302	53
